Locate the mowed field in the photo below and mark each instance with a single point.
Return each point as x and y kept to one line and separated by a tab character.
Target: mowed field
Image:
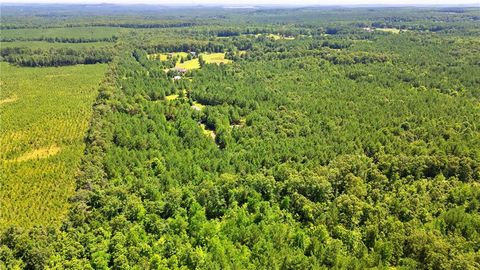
216	58
44	114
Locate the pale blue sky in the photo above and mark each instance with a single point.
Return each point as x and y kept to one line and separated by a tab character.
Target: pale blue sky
260	2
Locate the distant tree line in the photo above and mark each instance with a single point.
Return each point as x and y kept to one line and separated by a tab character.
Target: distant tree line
61	39
55	57
188	47
111	24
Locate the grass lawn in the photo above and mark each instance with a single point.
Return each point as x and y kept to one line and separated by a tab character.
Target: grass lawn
189	64
215	58
171	97
389	30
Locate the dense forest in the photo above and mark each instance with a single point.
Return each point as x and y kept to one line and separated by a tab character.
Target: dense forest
309	138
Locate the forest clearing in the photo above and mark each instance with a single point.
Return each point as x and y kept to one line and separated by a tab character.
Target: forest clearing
185	61
37	154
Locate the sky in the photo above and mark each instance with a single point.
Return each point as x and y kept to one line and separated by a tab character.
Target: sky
260	2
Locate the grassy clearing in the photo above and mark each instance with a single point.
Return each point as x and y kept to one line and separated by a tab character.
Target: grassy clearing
252	35
389	30
39	153
176	96
41	139
198	106
8	100
166	56
210	58
216	58
171	97
189	64
278	37
158	56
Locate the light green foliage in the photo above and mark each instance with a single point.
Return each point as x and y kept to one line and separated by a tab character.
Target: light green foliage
41	139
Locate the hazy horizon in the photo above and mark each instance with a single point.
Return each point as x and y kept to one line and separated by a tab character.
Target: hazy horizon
253	3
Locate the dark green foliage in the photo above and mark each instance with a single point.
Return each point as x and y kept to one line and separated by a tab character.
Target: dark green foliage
354	150
55	57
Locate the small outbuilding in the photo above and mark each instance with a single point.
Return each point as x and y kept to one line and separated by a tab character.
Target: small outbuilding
176	78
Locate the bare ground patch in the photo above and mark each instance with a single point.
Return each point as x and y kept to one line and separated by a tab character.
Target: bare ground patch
58	75
8	100
39	153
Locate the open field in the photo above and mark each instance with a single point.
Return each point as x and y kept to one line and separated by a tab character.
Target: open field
215	58
158	56
44	114
389	30
165	56
171	97
278	37
189	64
176	96
209	58
197	106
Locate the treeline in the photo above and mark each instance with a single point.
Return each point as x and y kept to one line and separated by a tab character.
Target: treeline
62	39
209	47
333	56
56	57
145	25
111	24
256	31
431	28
